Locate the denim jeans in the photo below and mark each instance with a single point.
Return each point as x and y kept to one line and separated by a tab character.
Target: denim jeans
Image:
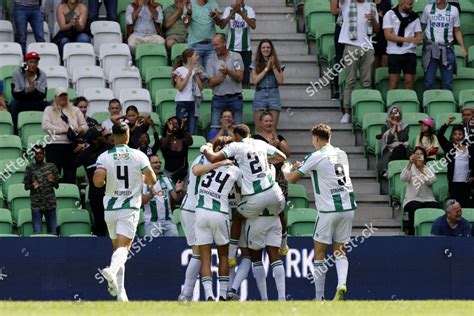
447	72
221	103
110	7
81	38
24	14
204	51
50	216
185	109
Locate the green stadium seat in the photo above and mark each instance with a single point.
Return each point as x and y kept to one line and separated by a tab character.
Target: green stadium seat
420	82
317	13
158	78
165	104
301	222
395	183
466	98
43	235
8	235
6	123
443	117
29	123
325	39
177	50
141	225
470	57
440	186
412	119
468	214
204	121
463	80
193	150
460	60
221	31
405	100
6	223
371	127
24	223
438	101
365	101
467	15
419	6
469	37
382	81
121	8
6	74
100	116
424	218
50	94
11	173
73	221
35	140
150	55
248	95
18	198
67	196
297	197
177	221
10	147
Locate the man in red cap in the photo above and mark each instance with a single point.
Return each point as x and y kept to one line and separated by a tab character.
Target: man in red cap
29	87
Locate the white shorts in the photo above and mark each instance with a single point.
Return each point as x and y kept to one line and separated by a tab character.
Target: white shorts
187	222
272	199
212	227
263	231
122	222
333	227
161	229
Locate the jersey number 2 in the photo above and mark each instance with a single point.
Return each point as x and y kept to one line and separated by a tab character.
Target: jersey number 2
123	176
254	163
207	182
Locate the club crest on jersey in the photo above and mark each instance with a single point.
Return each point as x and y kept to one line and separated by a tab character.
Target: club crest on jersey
121	156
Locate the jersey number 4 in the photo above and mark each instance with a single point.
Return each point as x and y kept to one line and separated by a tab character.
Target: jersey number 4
216	176
123	175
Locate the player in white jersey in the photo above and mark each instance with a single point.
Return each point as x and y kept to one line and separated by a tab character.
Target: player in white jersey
335	203
121	170
259	190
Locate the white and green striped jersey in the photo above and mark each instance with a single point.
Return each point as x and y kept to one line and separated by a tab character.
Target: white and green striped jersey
215	186
190	199
159	207
252	157
124	181
329	170
238	31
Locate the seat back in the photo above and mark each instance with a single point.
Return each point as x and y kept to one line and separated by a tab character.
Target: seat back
371	127
424	218
88	77
6	123
165	104
6	74
49	53
365	101
297	197
6	31
150	55
78	55
438	101
177	221
10	146
463	80
24	224
405	100
396	185
16	175
177	50
114	55
98	101
124	78
138	97
29	123
105	32
10	54
56	76
73	221
67	196
18	198
301	221
466	97
158	78
6	223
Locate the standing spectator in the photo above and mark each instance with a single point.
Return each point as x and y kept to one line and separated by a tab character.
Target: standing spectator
359	24
380	42
227	129
225	70
427	138
468	122
137	123
81	103
419	193
115	108
156	200
441	23
339	47
242	19
452	224
174	146
64	123
24	12
267	74
402	29
110	7
188	82
203	15
41	179
175	30
72	20
29	87
144	18
3	105
144	141
460	159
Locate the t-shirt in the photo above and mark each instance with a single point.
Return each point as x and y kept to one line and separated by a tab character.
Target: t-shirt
178	28
441	228
238	31
124	182
159	207
391	21
213	134
202	26
252	158
190	199
187	94
233	62
440	24
427	144
329	170
108	124
363	39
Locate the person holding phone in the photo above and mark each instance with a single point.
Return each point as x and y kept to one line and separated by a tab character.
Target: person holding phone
137	123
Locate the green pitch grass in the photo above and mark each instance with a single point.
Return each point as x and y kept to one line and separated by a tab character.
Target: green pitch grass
297	308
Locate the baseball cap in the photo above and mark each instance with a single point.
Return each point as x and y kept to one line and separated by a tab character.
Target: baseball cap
427	121
32	55
59	91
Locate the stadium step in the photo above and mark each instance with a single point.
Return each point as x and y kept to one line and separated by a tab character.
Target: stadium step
298	92
298	48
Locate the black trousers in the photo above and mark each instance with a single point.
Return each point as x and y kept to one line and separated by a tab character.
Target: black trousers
461	192
339	54
97	207
411	207
63	156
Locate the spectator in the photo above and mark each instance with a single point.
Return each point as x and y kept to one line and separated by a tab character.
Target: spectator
72	20
380	42
460	159
64	123
144	18
3	105
453	2
156	200
41	179
174	146
339	47
242	19
138	124
355	35
144	141
452	224
115	109
24	12
419	179
81	103
402	29
467	121
444	26
203	14
394	140
267	74
110	7
427	138
268	134
29	87
175	29
188	82
227	129
225	71
87	158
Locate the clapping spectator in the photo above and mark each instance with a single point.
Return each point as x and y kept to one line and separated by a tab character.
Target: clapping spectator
267	75
24	12
81	103
419	193
138	124
227	129
144	141
110	7
402	29
115	108
239	19
175	30
187	80
427	138
394	140
452	224
144	19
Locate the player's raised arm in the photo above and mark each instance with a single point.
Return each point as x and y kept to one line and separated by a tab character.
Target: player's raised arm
291	173
275	155
150	177
199	170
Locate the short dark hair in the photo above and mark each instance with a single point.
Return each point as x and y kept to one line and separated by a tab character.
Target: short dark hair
458	127
222	141
115	101
242	130
38	147
222	36
79	100
423	151
323	131
132	108
120	128
227	110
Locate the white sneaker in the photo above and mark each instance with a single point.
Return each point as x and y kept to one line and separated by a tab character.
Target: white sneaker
346	118
122	297
111	280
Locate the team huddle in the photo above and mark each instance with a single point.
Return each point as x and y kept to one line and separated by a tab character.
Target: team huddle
234	202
